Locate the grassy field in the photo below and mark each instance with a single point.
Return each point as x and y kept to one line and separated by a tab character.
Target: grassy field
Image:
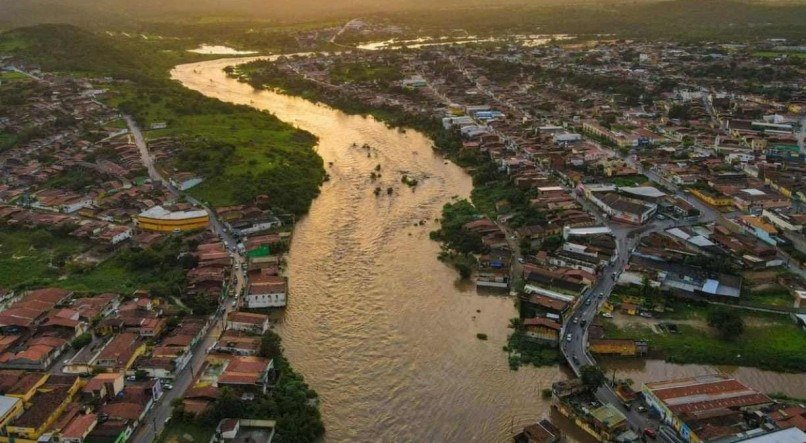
37	258
776	297
773	54
10	76
23	264
254	152
630	180
768	342
183	432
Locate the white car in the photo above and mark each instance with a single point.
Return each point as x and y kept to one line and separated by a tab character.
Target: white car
568	337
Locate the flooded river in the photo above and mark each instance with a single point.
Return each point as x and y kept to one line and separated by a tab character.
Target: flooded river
379	327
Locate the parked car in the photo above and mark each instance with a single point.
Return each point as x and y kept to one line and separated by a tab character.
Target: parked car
649	432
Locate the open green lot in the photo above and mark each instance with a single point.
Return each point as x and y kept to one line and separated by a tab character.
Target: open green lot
10	76
185	432
773	54
37	258
771	342
630	180
21	263
241	152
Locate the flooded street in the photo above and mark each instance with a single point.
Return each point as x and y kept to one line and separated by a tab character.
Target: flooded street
380	328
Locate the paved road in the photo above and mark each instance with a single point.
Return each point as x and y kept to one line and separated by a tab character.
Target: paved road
154	422
148	161
576	326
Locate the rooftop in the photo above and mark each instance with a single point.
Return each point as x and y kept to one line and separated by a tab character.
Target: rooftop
161	213
705	392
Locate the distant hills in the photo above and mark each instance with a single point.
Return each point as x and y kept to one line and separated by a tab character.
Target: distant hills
699	18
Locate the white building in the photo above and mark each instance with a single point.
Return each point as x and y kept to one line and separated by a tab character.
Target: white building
267	294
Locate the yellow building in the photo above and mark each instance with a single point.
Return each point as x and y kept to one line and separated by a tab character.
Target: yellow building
27	385
10	408
622	347
711	198
45	408
163	220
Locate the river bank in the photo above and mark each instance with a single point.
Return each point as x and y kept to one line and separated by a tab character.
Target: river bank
383	331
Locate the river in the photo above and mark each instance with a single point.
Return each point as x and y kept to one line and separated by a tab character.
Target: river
382	330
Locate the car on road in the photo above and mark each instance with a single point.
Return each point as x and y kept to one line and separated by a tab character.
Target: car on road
641	409
645	314
649	432
588	302
576	320
583	323
569	337
168	386
131	378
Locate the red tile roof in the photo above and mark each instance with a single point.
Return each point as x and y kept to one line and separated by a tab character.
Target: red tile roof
80	426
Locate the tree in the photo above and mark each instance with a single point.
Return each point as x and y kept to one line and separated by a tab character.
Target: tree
81	341
729	323
270	345
592	377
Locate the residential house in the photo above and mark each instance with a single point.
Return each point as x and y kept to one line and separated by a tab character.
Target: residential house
245	321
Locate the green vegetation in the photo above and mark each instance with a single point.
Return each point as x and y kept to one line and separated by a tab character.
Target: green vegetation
241	152
630	180
291	402
258	153
74	179
39	257
728	322
31	257
592	377
357	72
776	297
768	342
81	341
452	230
774	54
176	432
481	336
523	350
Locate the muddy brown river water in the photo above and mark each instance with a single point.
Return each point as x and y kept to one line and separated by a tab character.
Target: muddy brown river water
383	331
